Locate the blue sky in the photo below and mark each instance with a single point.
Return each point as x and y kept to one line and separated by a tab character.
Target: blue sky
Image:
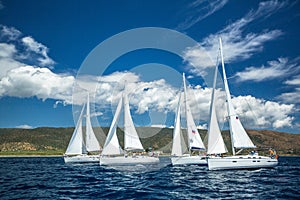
43	46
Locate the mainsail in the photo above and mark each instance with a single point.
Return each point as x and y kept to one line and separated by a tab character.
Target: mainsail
76	145
239	137
177	149
216	143
112	146
194	138
91	140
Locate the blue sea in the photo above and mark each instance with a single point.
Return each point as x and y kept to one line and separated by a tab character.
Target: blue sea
51	178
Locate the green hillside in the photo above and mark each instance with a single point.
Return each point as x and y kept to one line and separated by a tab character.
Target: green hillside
54	141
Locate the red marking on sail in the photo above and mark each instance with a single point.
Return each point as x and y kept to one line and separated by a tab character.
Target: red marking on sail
194	132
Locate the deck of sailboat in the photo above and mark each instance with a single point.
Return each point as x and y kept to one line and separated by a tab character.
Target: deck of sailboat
128	160
241	162
188	159
83	158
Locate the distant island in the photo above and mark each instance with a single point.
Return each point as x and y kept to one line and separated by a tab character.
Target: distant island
54	141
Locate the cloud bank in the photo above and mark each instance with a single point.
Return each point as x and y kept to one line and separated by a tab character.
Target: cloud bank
160	96
21	79
28	81
17	51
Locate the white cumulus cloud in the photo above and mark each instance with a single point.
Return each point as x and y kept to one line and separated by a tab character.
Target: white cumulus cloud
157	95
260	113
39	49
7	58
28	81
160	96
18	52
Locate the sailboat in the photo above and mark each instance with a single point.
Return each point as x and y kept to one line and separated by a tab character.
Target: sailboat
194	140
81	145
239	137
112	153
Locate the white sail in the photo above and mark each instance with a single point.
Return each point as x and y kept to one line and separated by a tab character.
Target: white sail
195	141
76	145
111	145
239	137
92	143
131	138
177	149
216	143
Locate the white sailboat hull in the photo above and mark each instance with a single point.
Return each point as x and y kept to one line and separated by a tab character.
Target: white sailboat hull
241	162
129	160
188	160
82	159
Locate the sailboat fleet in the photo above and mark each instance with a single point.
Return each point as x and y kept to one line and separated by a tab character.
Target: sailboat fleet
82	144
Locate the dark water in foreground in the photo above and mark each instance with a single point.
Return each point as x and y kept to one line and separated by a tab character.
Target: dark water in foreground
50	178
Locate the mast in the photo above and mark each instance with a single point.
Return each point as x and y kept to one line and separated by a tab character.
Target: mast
228	96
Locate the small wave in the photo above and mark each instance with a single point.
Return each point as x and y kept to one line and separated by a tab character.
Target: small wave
52	179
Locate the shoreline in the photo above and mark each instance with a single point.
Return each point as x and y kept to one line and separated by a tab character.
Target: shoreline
14	156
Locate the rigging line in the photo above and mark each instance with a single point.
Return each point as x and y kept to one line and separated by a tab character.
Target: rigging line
231	77
254	115
243	91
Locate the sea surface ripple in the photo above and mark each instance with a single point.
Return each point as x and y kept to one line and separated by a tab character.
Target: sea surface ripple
51	178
